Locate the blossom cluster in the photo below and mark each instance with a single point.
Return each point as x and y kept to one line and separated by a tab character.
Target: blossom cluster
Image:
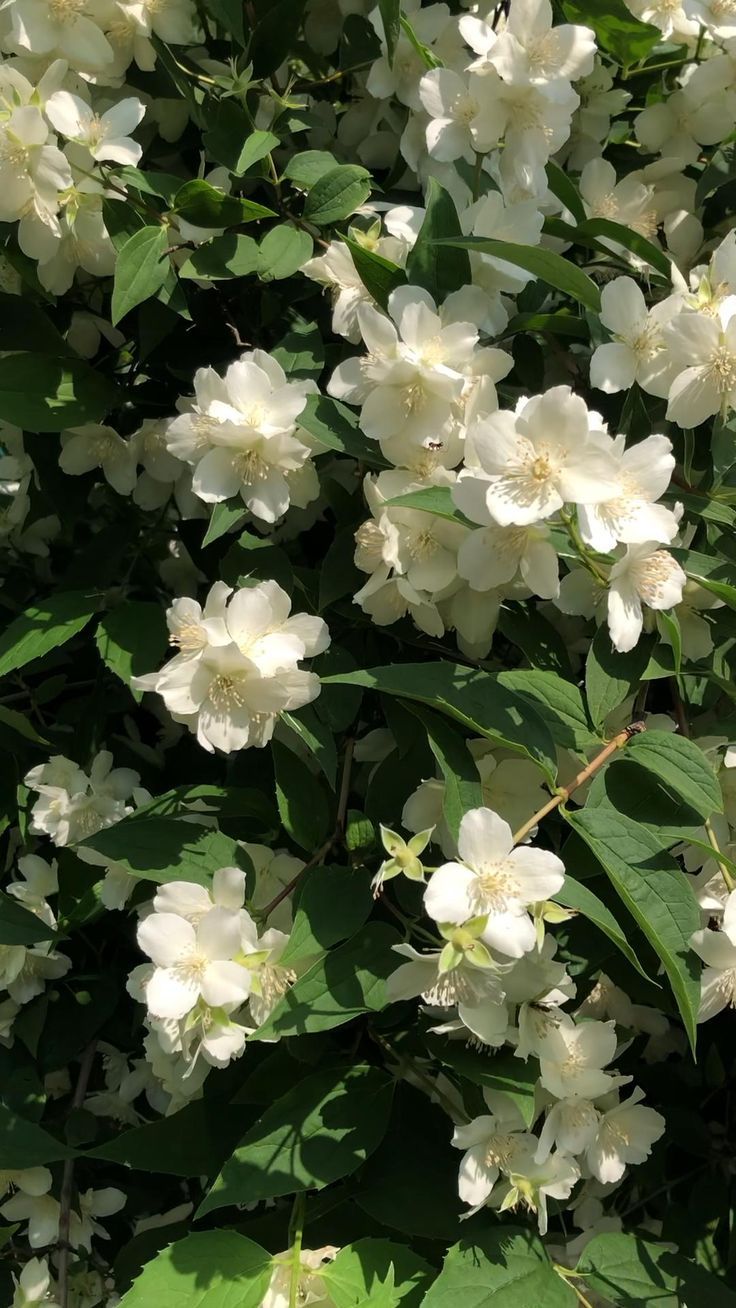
494	980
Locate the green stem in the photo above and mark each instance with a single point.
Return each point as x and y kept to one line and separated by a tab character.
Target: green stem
581	548
477	175
296	1228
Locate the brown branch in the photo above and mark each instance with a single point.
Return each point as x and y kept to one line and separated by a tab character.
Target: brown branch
67	1181
618	742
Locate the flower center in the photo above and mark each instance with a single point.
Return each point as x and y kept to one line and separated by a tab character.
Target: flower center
500	1151
226	693
66	11
653	575
722	370
421	546
493	889
189	637
252	467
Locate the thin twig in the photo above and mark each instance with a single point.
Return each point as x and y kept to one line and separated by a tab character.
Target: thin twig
296	1233
337	834
67	1181
565	792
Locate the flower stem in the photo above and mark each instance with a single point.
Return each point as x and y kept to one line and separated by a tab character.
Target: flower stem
582	550
297	1233
67	1181
565	792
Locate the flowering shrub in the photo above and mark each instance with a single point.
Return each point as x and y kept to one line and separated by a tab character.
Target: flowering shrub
368	818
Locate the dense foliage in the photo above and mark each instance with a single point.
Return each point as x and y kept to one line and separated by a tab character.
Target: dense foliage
374	944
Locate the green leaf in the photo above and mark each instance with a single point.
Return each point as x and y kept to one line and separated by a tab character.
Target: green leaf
194	1142
379	275
18	926
224	518
43	627
557	701
718	172
301	800
576	895
562	323
231	255
337	194
283	251
333	902
432	499
307	167
323	1128
631	240
551	268
476	699
364	1264
505	1267
165	849
493	1070
317	737
203	205
24	1144
710	572
390	11
209	1269
656	892
615	27
141	269
301	351
435	262
336	427
635	1273
255	147
133	639
351	980
18	725
681	766
462	783
40	392
611	677
566	191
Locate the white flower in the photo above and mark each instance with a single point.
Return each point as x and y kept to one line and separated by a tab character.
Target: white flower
34	1286
40	880
240	435
72	805
25	971
571	1059
66	28
718	951
632	514
540	457
530	48
230	692
311	1287
645	575
493	1143
269	979
192	901
702	348
94	1204
413	373
625	1134
628	201
193	963
32	169
107	135
495	879
275	869
95	445
493	556
637	352
42	1214
465	113
532	1183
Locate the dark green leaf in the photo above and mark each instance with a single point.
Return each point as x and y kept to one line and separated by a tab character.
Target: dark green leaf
24	1144
301	800
681	766
349	981
321	1129
656	892
133	639
379	275
317	737
40	392
337	194
166	849
611	677
194	1142
549	267
333	902
226	256
578	896
43	627
634	1273
506	1267
225	517
433	263
336	427
462	783
18	926
283	251
616	29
